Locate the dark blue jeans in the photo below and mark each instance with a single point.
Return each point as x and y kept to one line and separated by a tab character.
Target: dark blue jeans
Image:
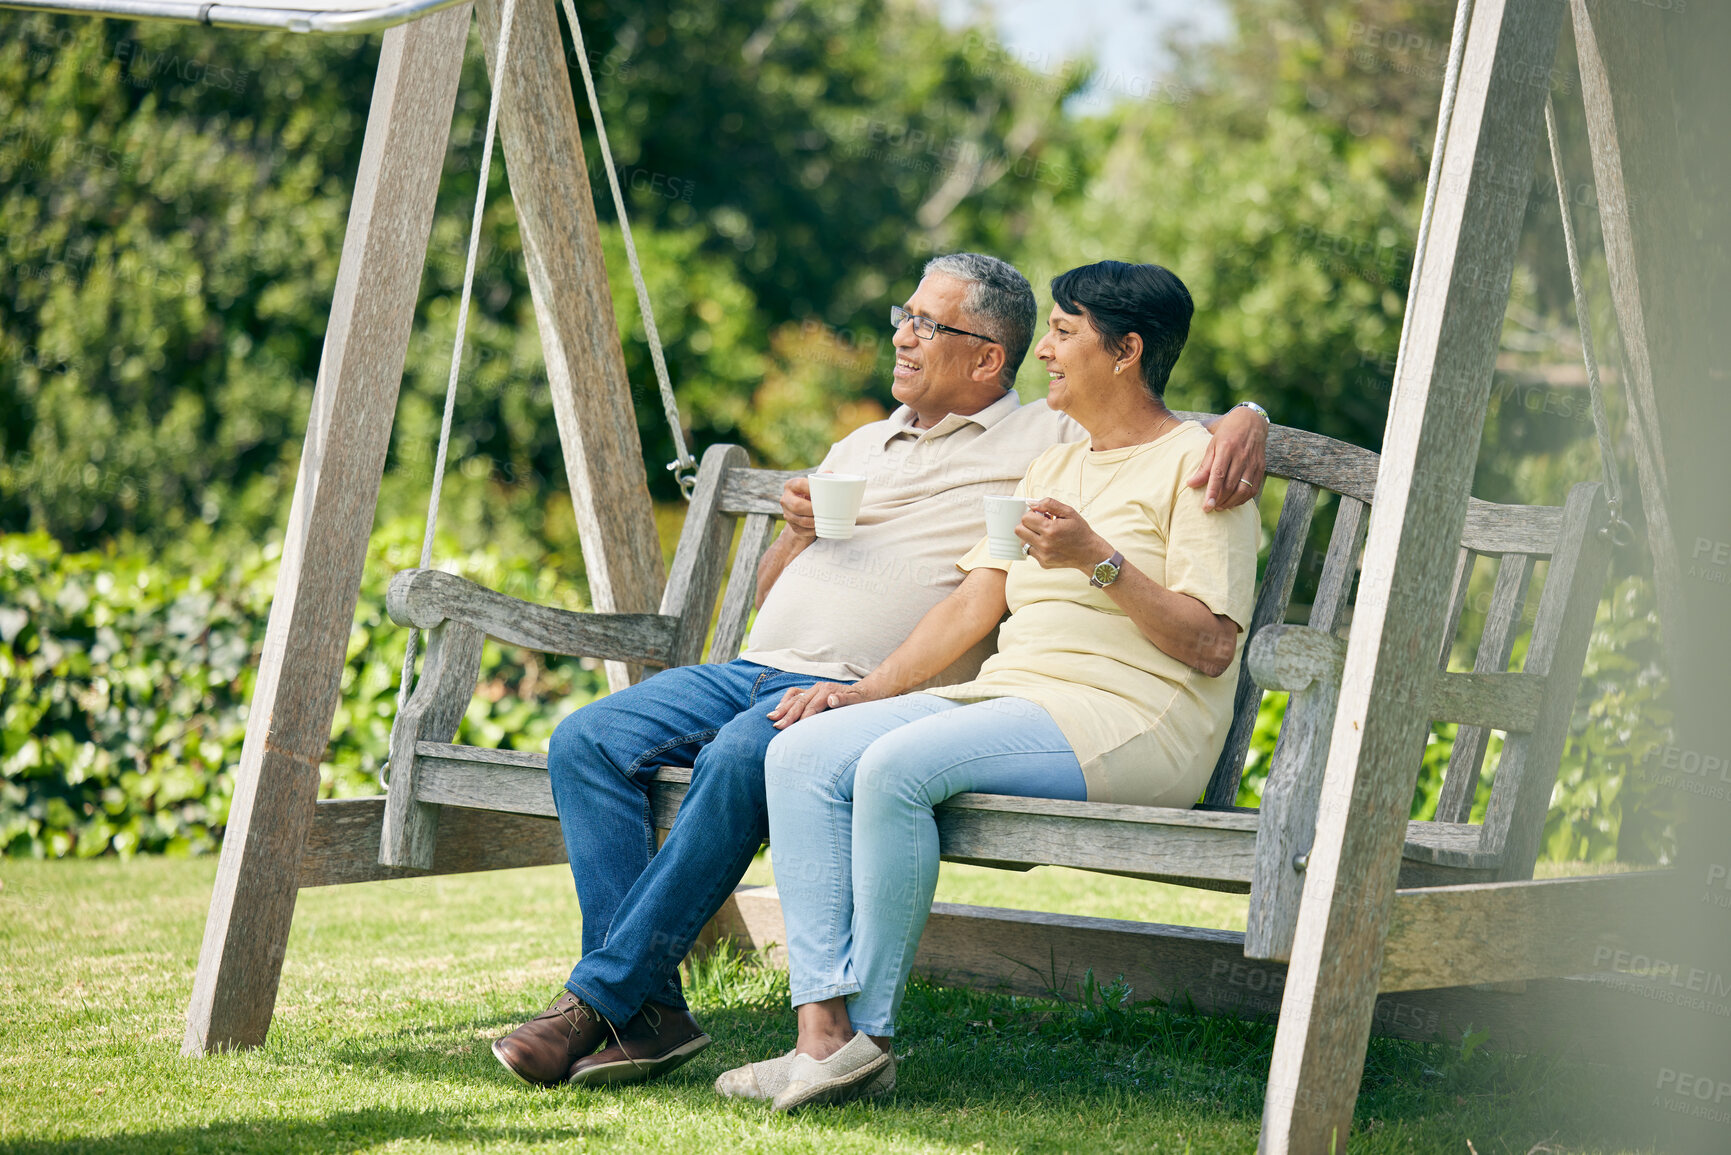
642	908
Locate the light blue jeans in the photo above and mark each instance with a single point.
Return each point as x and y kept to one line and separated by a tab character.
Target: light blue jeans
853	839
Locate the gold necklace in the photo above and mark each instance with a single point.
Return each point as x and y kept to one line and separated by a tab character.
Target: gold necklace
1082	465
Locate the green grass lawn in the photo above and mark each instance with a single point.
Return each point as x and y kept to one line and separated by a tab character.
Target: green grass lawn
391	993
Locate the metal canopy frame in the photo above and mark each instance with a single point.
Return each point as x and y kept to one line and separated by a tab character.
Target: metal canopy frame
329	20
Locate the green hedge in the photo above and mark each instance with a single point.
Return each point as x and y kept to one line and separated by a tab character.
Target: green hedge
125	678
124	682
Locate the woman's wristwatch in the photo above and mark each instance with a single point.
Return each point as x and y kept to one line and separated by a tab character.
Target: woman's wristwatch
1254	408
1107	571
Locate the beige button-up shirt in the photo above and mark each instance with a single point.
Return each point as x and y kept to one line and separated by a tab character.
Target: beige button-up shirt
1146	728
840	607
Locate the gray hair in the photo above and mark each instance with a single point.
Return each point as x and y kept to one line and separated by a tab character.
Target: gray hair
1000	303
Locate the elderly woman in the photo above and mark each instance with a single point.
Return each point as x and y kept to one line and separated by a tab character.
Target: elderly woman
1112	682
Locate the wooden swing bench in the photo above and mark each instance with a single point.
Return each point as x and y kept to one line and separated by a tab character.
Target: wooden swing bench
453	809
1216	845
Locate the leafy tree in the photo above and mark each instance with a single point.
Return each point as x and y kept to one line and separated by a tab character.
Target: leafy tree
172	214
174	202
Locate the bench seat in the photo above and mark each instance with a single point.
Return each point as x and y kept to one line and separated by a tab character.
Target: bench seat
1214	850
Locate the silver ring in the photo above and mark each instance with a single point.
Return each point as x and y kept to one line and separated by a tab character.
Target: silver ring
1245	481
1026	549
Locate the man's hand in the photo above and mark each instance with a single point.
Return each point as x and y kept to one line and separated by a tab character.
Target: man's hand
815	699
796	510
1060	538
1235	463
799	532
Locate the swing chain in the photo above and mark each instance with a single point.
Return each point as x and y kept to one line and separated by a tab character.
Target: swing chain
1616	530
1619	532
685	475
406	679
683	466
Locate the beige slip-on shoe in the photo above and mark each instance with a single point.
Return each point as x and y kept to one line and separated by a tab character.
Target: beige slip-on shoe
767	1079
840	1078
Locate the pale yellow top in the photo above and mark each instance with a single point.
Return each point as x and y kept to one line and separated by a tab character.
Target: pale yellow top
1146	727
840	607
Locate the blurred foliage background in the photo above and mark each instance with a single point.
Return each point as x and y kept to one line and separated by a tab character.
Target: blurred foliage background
172	205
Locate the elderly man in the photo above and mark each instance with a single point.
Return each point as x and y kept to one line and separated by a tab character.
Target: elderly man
829	610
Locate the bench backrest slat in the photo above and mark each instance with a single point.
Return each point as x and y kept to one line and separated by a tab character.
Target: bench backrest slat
1496	646
699	560
1284	555
1334	587
756	490
736	605
1465	561
1527	769
1351	472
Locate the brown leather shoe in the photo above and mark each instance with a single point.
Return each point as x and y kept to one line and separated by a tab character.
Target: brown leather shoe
657	1039
542	1050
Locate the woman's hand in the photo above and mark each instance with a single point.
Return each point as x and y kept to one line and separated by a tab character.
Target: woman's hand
947	632
815	699
1059	538
1179	624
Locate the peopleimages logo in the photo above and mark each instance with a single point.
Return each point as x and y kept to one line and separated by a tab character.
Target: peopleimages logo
1664	981
26	151
1697	1095
1694	772
139	62
1711	560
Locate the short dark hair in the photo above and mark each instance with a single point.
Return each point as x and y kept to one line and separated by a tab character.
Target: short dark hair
1000	301
1119	299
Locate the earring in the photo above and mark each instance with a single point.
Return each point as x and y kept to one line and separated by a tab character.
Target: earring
1117	369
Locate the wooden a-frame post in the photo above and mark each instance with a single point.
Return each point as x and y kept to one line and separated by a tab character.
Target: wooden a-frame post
348	434
1670	305
325	546
1436	417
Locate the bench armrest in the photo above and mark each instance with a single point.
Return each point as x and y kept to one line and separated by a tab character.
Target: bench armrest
1290	658
426	598
1307	663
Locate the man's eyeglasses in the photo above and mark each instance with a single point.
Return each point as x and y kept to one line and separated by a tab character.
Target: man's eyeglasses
925	328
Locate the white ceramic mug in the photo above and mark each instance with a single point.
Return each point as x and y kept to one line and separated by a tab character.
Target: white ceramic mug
1003	515
835	502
